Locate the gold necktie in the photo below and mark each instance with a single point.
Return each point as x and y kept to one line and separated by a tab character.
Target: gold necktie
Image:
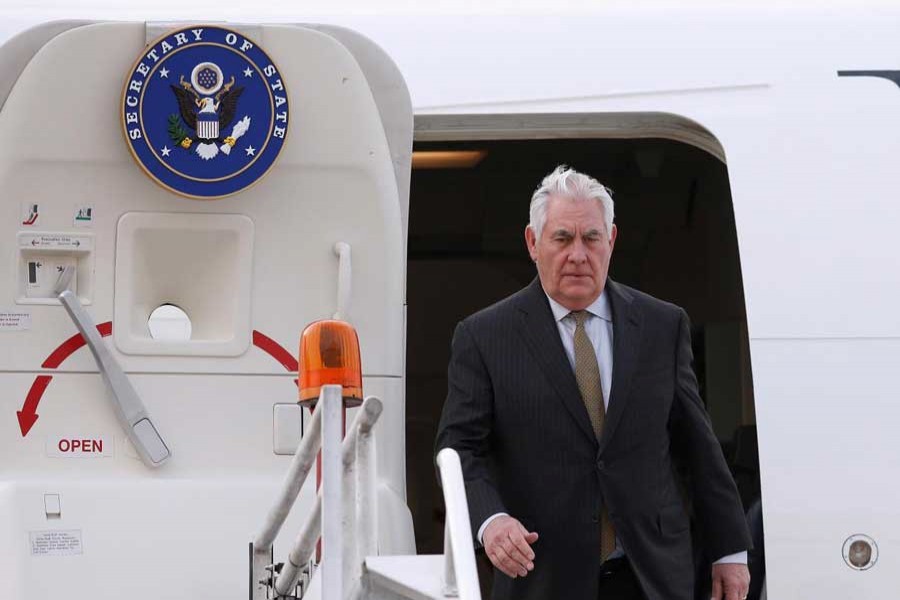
587	374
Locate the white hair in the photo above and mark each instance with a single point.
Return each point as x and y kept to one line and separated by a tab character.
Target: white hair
568	183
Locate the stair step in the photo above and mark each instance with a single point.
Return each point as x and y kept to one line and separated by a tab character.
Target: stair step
415	577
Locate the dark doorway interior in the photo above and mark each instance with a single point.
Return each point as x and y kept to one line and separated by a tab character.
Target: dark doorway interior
676	241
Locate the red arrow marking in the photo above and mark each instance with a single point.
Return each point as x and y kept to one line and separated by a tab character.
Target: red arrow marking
28	415
275	350
71	345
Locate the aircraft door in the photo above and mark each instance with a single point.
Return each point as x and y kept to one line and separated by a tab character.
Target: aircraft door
208	172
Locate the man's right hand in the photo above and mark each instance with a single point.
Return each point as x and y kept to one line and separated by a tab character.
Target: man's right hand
508	545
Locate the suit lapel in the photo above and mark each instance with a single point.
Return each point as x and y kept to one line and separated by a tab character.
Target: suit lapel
626	343
541	335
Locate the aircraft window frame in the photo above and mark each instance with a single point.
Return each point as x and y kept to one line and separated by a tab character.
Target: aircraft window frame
611	125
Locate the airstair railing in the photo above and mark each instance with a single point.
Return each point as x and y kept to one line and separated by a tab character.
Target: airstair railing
460	572
344	512
331	404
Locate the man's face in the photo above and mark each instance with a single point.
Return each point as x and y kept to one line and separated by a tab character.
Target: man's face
573	253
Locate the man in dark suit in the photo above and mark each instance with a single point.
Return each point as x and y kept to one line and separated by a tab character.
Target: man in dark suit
569	403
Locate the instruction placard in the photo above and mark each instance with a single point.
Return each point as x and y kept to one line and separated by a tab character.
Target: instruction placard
15	321
55	241
56	542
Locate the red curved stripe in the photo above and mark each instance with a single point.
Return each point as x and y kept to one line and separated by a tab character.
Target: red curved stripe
28	415
37	390
64	350
275	350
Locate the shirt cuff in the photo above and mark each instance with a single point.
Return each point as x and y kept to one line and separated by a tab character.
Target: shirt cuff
487	522
739	559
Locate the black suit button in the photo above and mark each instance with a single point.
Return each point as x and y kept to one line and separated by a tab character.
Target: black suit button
600	465
595	519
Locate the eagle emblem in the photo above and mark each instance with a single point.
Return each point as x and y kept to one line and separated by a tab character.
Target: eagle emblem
205	111
207	106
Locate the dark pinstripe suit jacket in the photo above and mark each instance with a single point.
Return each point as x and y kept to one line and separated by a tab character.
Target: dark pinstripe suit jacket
515	415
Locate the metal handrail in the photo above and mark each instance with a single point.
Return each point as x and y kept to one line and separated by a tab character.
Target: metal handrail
347	524
354	451
301	464
300	467
460	572
331	404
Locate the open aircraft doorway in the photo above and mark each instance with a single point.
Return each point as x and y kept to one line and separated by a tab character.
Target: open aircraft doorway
470	190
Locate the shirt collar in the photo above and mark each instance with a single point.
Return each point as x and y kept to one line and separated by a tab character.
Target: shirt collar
599	308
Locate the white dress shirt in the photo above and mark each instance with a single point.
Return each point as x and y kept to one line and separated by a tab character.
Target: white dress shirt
599	329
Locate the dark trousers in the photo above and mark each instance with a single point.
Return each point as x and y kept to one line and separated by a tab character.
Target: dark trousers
618	582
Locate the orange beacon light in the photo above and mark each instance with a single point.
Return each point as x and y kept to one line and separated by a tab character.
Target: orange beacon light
329	354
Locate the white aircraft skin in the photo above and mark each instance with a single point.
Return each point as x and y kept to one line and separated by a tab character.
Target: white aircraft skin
810	146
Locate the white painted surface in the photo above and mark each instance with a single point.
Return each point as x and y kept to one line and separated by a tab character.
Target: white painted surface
287	428
299	209
199	512
201	261
414	577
